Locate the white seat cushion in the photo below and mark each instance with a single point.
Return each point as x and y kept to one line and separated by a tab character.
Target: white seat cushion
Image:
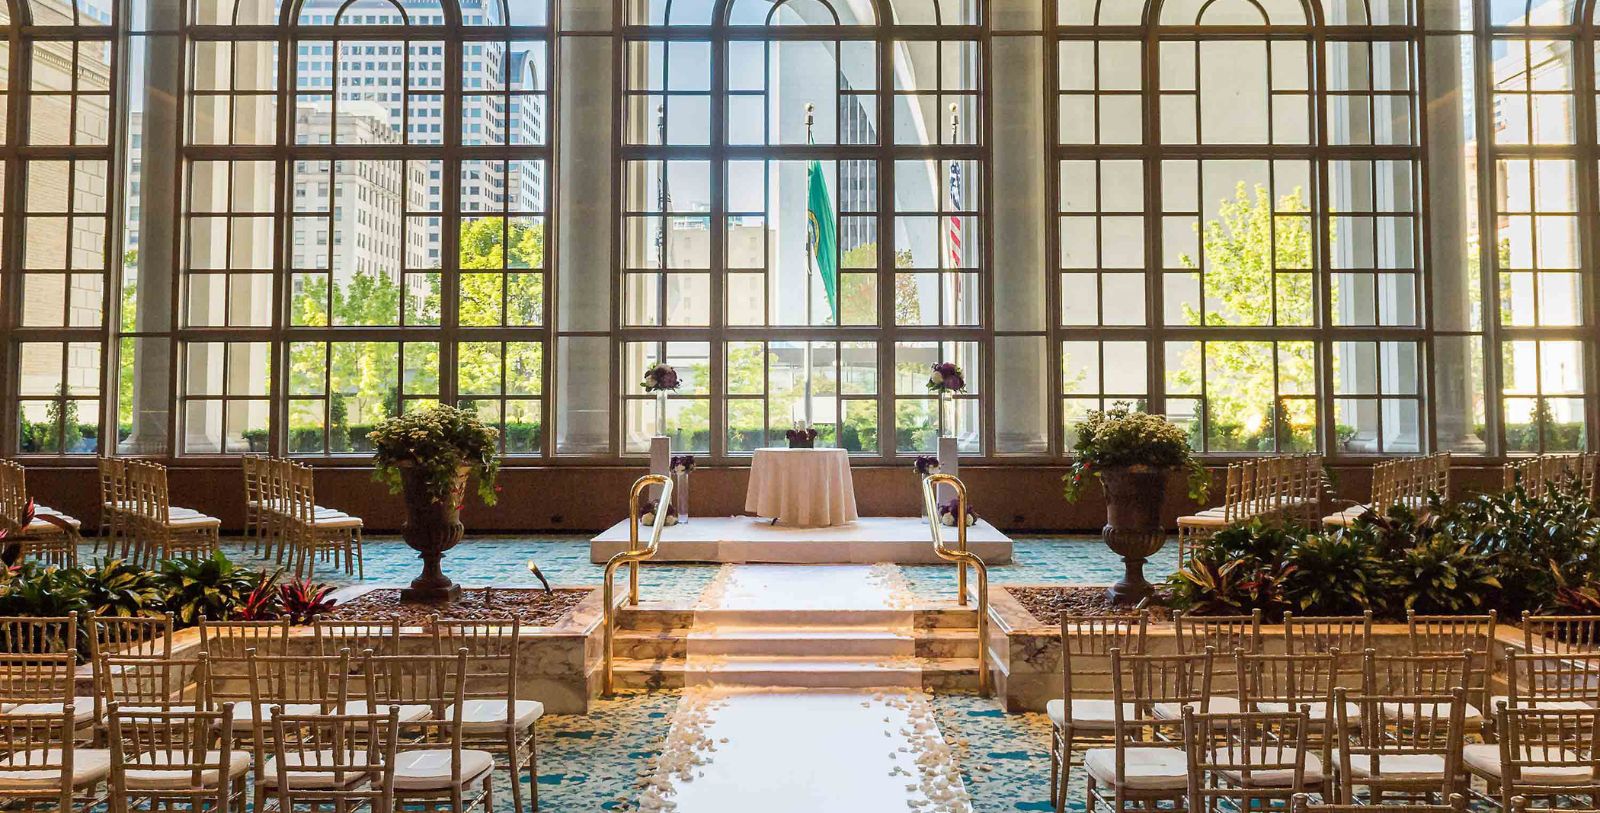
1407	711
1147	768
1317	711
409	712
1274	778
136	712
1218	705
192	522
1397	766
89	765
154	777
478	716
82	710
306	780
336	523
1099	714
1484	759
1536	703
243	712
428	769
1203	520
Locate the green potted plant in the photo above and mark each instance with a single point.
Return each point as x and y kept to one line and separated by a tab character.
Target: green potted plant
1132	454
430	456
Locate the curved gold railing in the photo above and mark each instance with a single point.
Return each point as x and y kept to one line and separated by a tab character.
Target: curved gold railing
962	557
632	557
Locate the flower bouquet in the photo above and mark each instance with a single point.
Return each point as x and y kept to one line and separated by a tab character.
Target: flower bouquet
801	437
926	465
647	514
950	508
946	380
661	379
680	467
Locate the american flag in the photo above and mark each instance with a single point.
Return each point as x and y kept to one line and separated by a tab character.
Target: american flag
955	219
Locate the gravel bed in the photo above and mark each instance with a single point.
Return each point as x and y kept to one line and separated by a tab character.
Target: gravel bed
1048	604
534	607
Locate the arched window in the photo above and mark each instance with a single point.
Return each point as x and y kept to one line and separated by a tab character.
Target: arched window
802	221
1238	221
379	244
61	128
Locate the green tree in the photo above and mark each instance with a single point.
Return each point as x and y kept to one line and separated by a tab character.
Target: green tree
1243	247
861	311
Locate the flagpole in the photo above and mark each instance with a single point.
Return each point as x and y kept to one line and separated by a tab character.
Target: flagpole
810	272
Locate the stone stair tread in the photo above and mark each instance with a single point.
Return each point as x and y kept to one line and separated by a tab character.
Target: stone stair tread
818	663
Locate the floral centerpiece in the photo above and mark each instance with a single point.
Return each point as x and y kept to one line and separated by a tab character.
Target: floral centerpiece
950	508
647	513
946	380
926	465
431	455
801	436
681	466
1132	454
661	379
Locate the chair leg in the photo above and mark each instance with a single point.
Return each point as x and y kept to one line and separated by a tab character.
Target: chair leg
516	778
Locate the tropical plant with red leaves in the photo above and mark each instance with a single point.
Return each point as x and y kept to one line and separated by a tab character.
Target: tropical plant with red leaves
302	601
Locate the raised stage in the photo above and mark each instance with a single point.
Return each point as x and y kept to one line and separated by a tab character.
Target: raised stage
902	540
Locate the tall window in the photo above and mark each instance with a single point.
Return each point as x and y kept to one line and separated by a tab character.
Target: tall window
1237	220
1541	161
59	159
366	221
802	221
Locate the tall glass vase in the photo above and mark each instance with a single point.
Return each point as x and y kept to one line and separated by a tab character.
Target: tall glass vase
947	414
680	494
661	412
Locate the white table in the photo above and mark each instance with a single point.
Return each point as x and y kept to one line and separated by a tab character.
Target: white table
802	488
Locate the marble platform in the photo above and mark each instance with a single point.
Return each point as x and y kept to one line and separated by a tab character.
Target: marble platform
900	540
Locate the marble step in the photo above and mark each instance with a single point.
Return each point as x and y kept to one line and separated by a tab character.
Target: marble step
942	674
647	617
836	641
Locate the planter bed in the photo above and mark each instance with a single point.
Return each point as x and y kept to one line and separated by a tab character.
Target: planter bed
533	606
1025	650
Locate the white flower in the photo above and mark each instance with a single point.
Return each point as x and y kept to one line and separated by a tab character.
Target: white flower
937	377
649	381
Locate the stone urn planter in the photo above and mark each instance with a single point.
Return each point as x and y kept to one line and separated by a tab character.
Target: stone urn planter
1134	496
432	528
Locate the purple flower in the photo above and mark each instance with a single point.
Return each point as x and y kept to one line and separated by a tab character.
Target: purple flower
926	465
948	510
947	376
682	463
661	378
803	438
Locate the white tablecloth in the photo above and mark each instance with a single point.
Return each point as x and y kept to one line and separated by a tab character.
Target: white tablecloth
804	488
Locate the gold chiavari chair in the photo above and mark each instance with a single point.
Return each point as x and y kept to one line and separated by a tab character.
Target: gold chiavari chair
316	531
1250	759
41	532
41	684
1568	681
228	646
1451	634
114	505
440	772
1558	634
338	762
42	765
1416	675
251	466
1304	683
1194	529
1225	635
1302	804
174	759
1083	717
1404	744
155	684
356	635
162	531
300	684
28	635
1146	765
494	716
1541	753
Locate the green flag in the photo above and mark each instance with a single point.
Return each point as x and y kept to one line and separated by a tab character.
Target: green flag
820	238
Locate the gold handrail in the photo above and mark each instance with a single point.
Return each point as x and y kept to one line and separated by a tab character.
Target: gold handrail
632	557
962	557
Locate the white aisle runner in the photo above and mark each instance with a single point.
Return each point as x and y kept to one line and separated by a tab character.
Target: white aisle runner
778	717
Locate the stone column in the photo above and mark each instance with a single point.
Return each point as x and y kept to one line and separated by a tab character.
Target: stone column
586	184
1019	226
